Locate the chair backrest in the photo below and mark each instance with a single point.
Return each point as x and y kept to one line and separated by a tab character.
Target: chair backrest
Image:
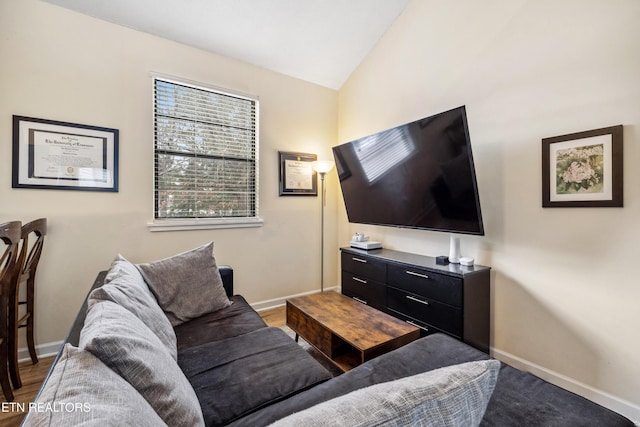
29	262
10	234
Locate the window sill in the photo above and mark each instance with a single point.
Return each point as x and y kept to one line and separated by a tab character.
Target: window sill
203	224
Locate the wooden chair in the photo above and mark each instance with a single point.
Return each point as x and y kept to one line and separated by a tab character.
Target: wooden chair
28	259
10	233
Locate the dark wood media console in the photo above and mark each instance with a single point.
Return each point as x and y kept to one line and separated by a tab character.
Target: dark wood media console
436	298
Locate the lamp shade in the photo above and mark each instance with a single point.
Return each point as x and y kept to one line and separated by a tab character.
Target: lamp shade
322	166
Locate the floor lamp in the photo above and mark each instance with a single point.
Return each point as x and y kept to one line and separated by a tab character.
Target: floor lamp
322	167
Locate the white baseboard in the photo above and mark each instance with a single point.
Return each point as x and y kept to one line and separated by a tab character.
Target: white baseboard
279	302
52	348
616	404
43	350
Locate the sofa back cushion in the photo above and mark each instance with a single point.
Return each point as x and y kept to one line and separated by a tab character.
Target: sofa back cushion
122	267
453	396
81	390
131	292
125	344
186	285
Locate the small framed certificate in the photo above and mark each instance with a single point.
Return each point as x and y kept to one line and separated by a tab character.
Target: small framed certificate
297	177
49	154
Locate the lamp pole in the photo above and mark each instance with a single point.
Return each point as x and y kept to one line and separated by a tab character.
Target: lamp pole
322	174
322	167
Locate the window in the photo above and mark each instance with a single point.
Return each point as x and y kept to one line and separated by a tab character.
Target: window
206	169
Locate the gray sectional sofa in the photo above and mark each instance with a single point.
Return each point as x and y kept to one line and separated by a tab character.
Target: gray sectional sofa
168	343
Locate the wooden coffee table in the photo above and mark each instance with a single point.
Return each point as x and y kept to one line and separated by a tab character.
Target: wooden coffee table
344	330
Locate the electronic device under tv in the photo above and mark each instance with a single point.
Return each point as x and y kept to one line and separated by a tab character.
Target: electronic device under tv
417	175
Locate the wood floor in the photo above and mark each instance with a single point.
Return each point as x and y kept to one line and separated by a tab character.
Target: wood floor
11	413
275	317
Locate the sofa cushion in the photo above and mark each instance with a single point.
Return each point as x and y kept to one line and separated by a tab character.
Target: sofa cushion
81	390
519	398
132	293
452	396
122	267
126	345
237	319
186	285
236	376
522	399
425	354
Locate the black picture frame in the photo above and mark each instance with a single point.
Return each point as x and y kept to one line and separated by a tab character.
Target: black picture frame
296	174
49	154
583	169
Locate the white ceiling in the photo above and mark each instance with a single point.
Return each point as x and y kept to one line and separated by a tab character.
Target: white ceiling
321	41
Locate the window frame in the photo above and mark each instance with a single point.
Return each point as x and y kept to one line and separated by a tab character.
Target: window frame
176	224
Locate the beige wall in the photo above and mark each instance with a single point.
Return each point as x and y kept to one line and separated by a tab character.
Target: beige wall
60	65
565	294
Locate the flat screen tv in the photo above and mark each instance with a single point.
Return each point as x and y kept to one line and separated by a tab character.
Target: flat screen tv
418	175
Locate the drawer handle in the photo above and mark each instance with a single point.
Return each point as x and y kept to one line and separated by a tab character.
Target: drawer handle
413	273
359	280
417	326
412	298
360	300
364	261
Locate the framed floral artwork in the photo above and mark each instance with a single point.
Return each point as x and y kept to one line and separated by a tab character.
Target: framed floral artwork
583	169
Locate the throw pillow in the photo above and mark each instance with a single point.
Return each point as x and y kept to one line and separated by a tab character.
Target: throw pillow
122	342
136	298
81	390
186	285
452	396
121	267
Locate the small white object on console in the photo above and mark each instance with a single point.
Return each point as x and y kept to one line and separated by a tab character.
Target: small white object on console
366	245
466	261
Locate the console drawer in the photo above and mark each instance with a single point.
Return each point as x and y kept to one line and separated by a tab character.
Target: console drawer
426	310
425	328
366	291
364	267
439	287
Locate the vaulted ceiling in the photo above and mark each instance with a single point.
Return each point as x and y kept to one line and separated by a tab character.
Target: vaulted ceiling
320	41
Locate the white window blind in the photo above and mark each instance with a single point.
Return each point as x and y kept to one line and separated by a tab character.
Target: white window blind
205	153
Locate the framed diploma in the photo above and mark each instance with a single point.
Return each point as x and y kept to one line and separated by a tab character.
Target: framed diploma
297	177
64	156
